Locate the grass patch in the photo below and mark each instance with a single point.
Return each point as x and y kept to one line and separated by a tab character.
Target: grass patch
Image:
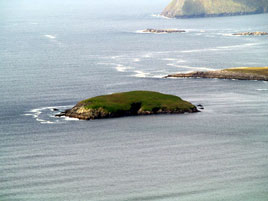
135	100
250	70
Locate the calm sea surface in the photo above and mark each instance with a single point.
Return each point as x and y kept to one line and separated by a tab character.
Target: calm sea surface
56	53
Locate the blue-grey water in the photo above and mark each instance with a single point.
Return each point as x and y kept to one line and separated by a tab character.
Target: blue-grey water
56	53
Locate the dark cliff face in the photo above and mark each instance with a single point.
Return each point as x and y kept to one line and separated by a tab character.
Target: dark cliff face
202	8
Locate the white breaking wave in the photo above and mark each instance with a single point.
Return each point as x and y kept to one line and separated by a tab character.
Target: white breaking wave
191	67
161	16
136	60
200	50
147	55
142	32
159	76
180	61
115	57
121	68
141	74
227	34
262	89
174	60
238	46
70	119
50	36
46	115
221	48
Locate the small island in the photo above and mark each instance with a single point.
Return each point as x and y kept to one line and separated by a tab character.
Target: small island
257	33
241	73
210	8
129	104
159	31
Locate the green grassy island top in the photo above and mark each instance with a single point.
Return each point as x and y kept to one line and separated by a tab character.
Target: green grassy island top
129	103
251	70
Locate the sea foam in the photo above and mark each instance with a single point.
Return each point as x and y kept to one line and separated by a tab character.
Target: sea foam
50	36
46	115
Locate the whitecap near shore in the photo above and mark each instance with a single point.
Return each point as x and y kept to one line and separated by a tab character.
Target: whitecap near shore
161	16
121	68
46	115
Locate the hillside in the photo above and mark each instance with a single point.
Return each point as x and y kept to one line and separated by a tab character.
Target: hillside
203	8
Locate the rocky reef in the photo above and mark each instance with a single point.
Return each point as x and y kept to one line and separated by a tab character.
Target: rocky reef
242	73
207	8
159	31
258	33
129	104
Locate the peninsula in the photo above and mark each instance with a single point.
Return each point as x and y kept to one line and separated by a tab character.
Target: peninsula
129	104
207	8
241	73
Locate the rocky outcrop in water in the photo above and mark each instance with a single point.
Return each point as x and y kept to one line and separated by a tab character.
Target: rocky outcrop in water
251	34
158	31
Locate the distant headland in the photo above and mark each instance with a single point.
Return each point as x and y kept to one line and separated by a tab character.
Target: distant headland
207	8
129	104
241	73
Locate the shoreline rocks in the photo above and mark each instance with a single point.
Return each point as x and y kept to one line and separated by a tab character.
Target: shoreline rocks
100	113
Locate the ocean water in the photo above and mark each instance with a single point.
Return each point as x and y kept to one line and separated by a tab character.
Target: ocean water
56	53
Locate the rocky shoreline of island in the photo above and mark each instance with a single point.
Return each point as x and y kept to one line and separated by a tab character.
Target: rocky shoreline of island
244	73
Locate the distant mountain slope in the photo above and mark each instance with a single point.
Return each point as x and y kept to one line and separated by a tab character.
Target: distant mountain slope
202	8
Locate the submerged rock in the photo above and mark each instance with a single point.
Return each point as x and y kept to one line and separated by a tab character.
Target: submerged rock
129	104
200	106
